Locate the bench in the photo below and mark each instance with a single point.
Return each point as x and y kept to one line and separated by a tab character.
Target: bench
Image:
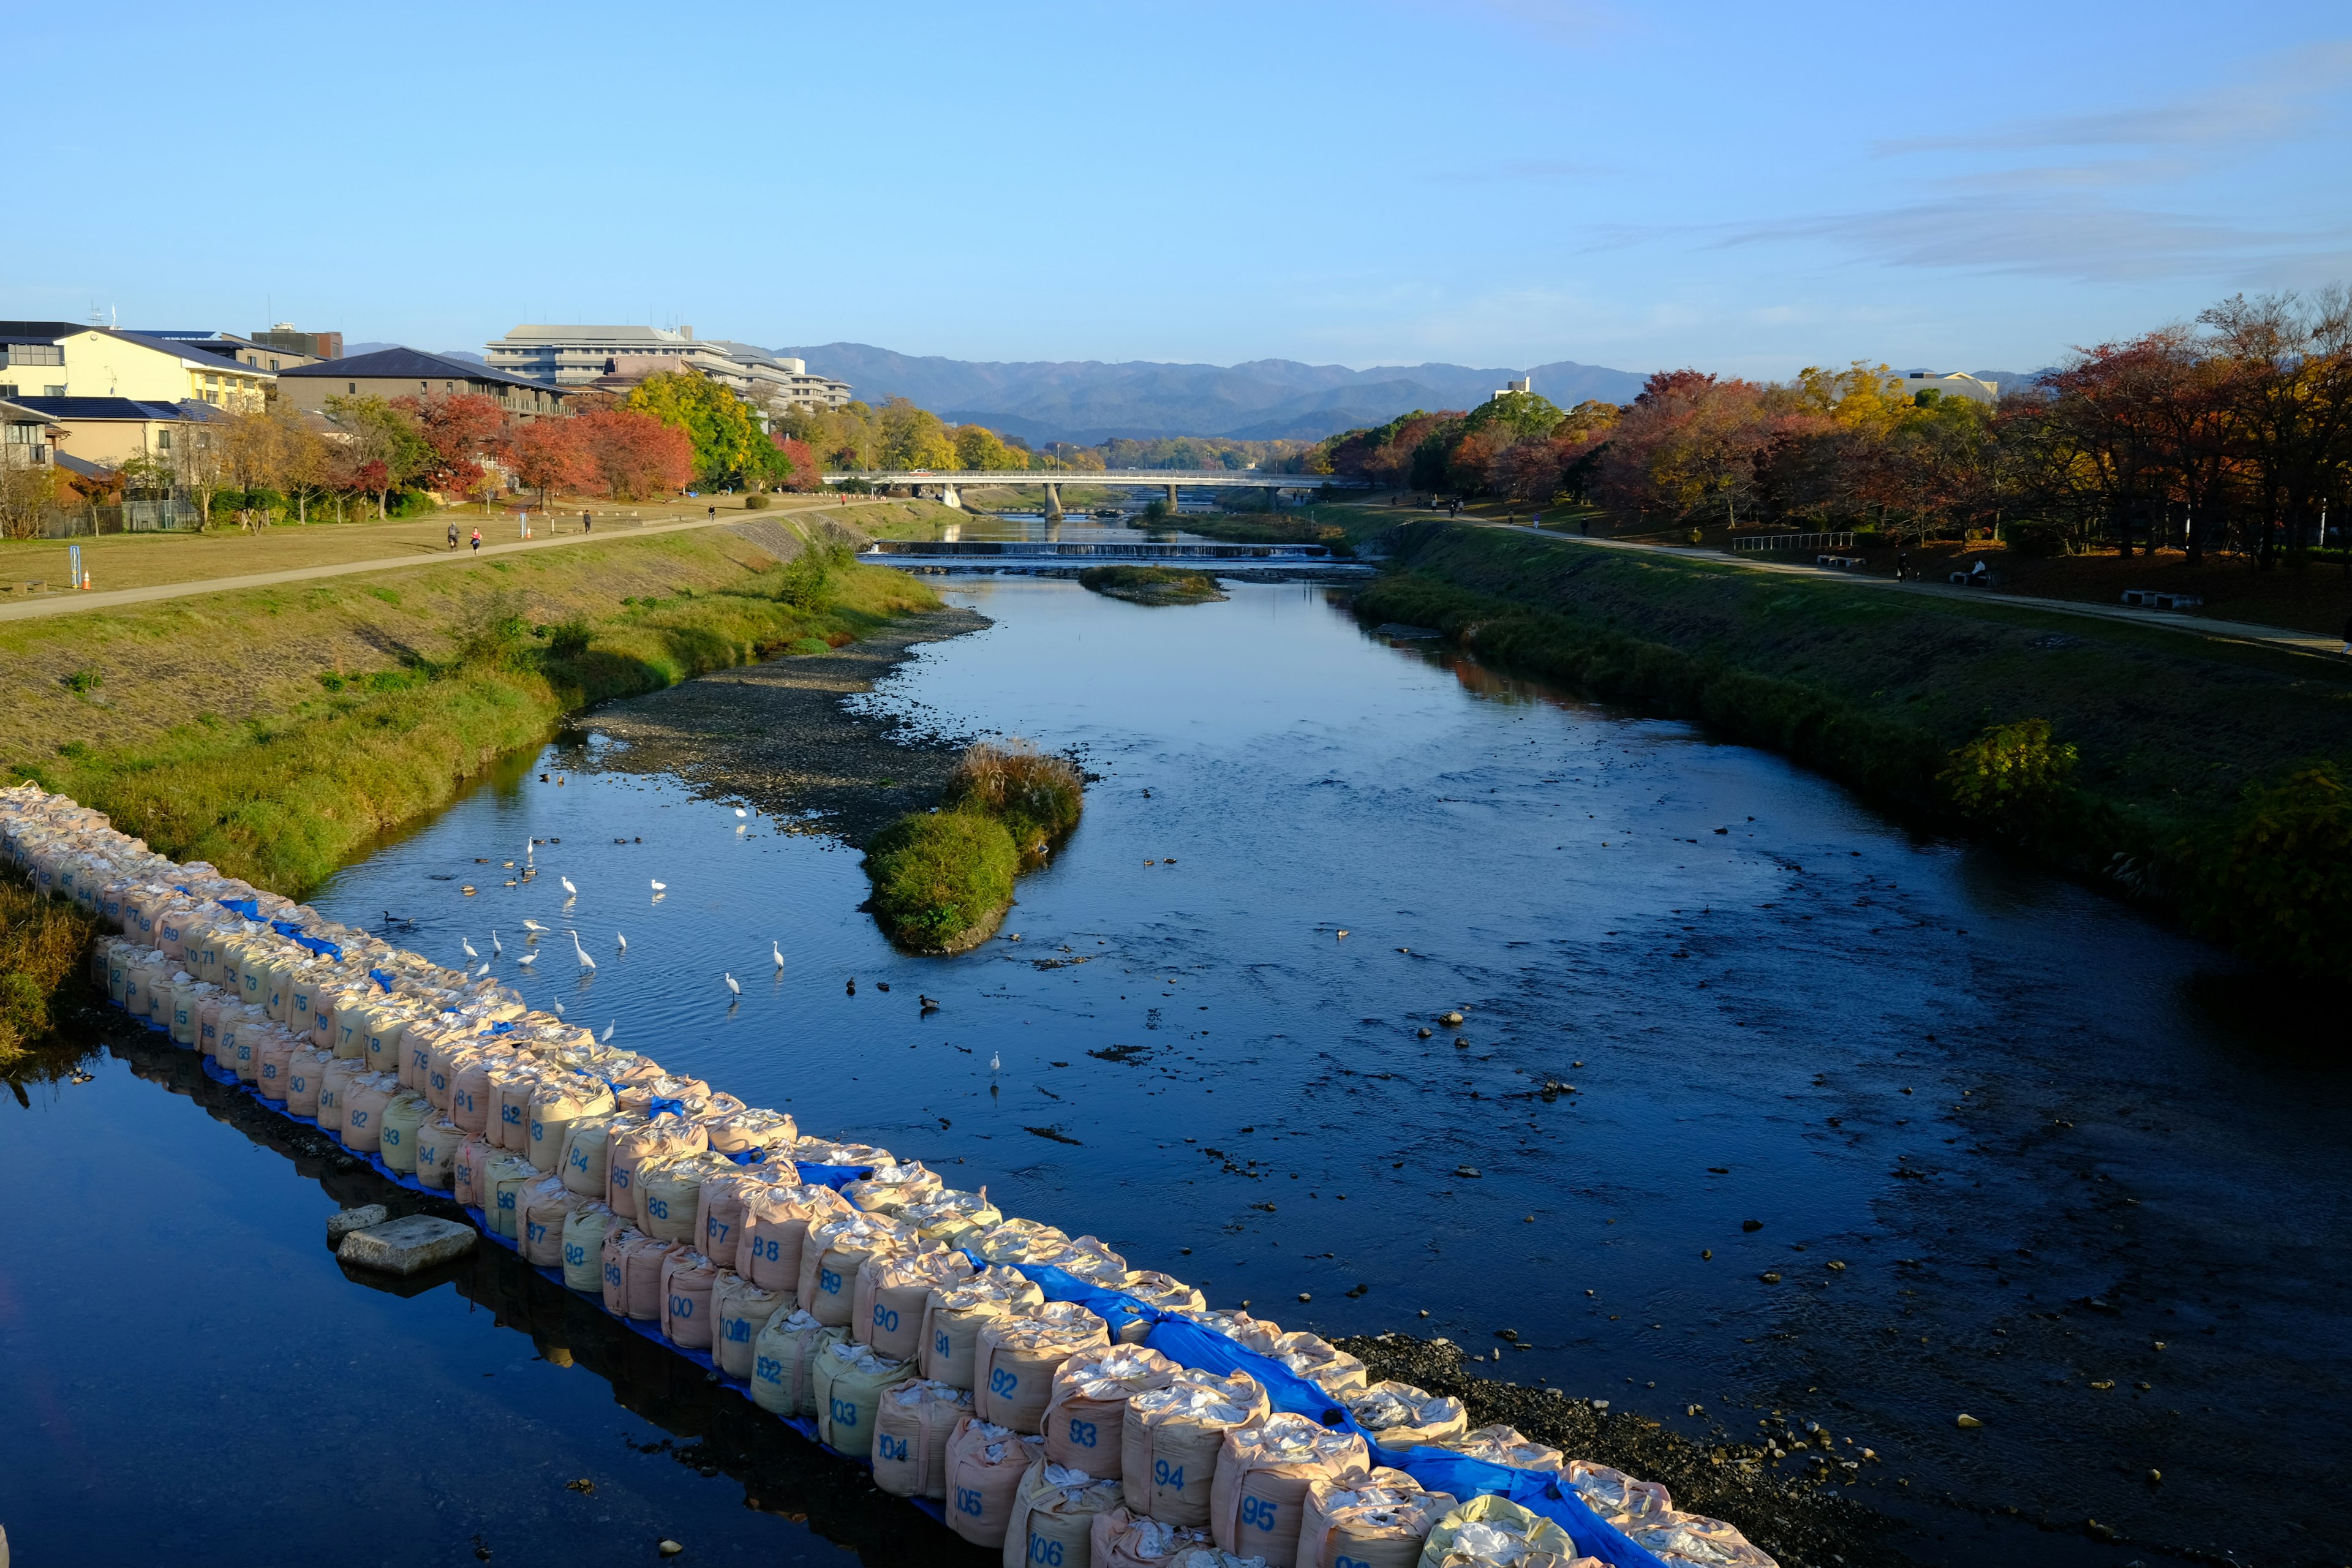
1841	563
2156	599
1971	579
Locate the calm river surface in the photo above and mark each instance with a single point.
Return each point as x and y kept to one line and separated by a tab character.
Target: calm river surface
1864	1127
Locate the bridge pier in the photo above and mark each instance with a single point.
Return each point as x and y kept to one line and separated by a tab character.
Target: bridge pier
1273	498
1053	501
947	497
1172	500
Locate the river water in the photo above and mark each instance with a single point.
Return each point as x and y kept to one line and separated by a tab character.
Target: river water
1763	1105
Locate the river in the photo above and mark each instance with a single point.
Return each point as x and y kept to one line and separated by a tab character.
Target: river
1763	1105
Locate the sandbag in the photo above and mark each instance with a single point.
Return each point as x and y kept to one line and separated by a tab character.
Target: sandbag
643	1262
469	1096
584	1245
273	1063
500	1183
743	1131
1016	1241
1401	1416
743	1310
910	1436
334	1085
188	995
543	1208
403	1117
582	1165
886	1308
1014	1365
845	1385
718	1207
1676	1538
688	1318
556	1103
664	1137
306	1071
466	1177
1615	1496
1121	1537
893	1187
1501	1445
1169	1440
437	1142
985	1463
612	1261
1320	1362
951	1218
830	1256
363	1109
775	1229
953	1317
1257	1498
669	1193
784	1359
1161	1293
1493	1531
1370	1521
1086	1416
1053	1511
511	1083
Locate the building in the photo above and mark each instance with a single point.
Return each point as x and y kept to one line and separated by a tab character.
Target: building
1515	384
309	345
413	373
616	358
1951	384
27	436
243	351
109	431
774	381
60	359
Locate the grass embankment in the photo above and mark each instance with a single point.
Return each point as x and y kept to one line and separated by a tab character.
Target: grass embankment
2206	777
943	878
1270	528
42	943
1151	584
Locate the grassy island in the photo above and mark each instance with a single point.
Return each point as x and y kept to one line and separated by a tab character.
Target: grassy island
1151	584
943	878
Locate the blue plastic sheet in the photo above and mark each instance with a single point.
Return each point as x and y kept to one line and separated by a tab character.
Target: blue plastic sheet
249	908
834	1176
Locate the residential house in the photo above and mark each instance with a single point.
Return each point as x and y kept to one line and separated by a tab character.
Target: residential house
27	436
59	359
108	431
413	373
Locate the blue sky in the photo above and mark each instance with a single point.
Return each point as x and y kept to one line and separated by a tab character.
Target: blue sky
1740	187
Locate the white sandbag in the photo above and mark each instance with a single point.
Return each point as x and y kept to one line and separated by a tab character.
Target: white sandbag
582	1165
912	1426
1494	1532
783	1360
437	1142
892	1187
556	1103
744	1131
1169	1440
584	1245
1320	1362
1016	1241
845	1384
830	1256
1053	1511
985	1464
1258	1496
403	1117
1500	1444
542	1209
1086	1416
886	1308
1692	1540
1162	1293
501	1183
951	1218
1615	1496
306	1074
669	1193
1401	1416
511	1083
665	1137
688	1319
743	1310
1373	1520
953	1317
1014	1365
775	1232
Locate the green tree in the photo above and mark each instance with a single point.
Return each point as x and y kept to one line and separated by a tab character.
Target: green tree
979	448
383	444
730	447
911	438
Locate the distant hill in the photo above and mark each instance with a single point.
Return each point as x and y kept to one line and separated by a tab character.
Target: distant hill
1089	400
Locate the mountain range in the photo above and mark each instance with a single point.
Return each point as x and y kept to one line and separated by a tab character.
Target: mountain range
1088	401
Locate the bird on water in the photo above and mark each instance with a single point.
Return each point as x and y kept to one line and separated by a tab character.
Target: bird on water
733	984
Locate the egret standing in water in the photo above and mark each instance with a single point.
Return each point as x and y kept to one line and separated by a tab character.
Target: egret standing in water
624	941
484	970
776	948
570	892
496	945
527	959
585	962
734	985
532	925
607	1037
660	885
468	947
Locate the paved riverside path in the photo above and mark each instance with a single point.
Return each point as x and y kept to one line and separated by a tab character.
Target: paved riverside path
68	602
2281	637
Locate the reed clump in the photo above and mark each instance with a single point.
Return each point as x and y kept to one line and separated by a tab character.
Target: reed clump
1036	796
42	943
943	878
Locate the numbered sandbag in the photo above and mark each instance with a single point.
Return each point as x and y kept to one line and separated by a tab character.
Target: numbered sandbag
469	1096
1170	1437
583	1245
745	1132
1320	1362
545	1208
556	1103
953	1317
306	1071
663	1138
500	1183
1367	1521
403	1119
1495	1532
886	1308
1054	1512
582	1165
1121	1537
1678	1539
363	1111
1086	1416
689	1318
187	998
830	1256
511	1084
1257	1498
343	1006
951	1218
743	1310
846	1386
892	1187
784	1362
1500	1444
272	1065
911	1425
669	1193
437	1142
1401	1416
1014	1365
775	1232
985	1463
643	1262
1615	1496
466	1175
611	1258
718	1207
334	1084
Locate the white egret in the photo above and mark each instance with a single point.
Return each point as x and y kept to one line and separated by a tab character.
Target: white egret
777	948
496	945
732	985
568	888
558	1006
624	941
660	887
585	962
468	947
484	970
532	925
741	812
607	1037
995	1062
527	959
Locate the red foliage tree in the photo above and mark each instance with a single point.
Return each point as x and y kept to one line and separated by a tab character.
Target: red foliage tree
548	455
462	430
804	473
634	454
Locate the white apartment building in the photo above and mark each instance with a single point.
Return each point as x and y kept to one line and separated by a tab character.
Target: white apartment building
580	355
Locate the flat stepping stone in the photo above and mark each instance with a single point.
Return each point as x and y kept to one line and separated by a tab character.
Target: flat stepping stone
407	1246
342	1223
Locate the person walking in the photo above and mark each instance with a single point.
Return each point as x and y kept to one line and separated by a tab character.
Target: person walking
478	542
452	534
587	521
1901	564
714	514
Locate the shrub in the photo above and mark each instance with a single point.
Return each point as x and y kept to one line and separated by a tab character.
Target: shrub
42	945
1037	798
86	679
756	501
942	879
2011	777
492	632
2281	881
2036	538
569	639
806	581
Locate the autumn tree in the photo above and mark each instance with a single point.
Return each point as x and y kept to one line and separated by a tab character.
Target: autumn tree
382	450
462	429
728	444
802	471
912	438
551	454
981	449
634	454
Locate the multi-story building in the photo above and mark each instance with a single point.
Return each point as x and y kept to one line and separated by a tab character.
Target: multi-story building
617	357
1951	384
108	431
230	346
413	373
59	359
309	345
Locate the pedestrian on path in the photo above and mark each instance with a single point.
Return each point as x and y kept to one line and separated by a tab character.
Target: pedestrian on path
587	521
452	534
2348	635
1901	564
478	542
714	514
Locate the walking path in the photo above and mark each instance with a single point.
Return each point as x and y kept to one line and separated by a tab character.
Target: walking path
67	602
2166	620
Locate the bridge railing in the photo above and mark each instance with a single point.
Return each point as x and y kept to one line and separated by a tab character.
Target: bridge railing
1795	541
1099	552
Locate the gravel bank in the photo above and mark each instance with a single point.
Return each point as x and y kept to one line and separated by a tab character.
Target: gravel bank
778	735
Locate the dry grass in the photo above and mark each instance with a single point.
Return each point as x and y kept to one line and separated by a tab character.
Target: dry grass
1038	797
42	943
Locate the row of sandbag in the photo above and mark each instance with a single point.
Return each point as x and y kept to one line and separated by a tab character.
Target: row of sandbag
1035	1424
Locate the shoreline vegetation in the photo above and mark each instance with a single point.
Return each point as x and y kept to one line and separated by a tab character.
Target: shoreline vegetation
2204	780
1151	584
943	878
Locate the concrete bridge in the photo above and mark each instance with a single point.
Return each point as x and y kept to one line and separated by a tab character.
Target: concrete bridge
1168	480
